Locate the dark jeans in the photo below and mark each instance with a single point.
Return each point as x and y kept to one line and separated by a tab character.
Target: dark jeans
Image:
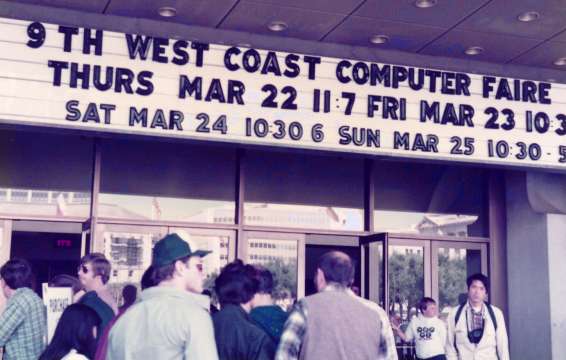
437	357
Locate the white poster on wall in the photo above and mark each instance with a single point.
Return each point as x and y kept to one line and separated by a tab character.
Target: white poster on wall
96	80
56	299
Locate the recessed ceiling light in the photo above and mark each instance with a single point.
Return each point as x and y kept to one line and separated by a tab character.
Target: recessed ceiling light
560	61
379	39
528	16
474	50
277	26
425	4
167	11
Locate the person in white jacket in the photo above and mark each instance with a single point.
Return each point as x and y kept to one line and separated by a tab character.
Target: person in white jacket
476	329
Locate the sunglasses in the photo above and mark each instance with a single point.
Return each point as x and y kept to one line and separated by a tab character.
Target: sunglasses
83	269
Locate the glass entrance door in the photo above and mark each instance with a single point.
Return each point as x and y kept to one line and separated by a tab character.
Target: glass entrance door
453	263
417	266
284	255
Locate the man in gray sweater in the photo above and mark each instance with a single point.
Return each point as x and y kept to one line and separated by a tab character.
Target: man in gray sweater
335	323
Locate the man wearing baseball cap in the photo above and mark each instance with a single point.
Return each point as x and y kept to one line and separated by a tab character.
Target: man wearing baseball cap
172	320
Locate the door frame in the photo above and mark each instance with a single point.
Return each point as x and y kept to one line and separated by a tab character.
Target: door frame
436	244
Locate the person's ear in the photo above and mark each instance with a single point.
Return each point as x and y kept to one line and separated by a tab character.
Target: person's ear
180	267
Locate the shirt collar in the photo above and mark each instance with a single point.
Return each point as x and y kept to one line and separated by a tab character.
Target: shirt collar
165	291
336	287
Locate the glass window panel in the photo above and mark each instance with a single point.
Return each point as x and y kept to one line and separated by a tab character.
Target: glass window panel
454	267
129	250
280	257
406	288
430	199
45	175
303	191
173	182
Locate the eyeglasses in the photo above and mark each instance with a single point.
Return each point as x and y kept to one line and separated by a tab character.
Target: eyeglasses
83	269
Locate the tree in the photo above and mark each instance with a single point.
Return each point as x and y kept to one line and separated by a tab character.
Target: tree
285	278
406	283
451	279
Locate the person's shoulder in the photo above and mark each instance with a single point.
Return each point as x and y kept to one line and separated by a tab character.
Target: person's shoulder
496	311
26	296
371	305
89	297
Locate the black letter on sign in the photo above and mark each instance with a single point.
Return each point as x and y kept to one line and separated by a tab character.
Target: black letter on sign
36	34
74	114
69	32
200	48
312	61
58	66
138	46
95	41
146	86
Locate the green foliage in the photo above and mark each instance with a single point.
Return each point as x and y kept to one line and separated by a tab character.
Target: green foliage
452	279
285	278
406	282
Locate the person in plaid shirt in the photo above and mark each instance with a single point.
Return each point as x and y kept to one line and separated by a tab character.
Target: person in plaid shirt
335	323
23	322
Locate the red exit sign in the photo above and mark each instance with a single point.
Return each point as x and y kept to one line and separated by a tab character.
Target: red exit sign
64	243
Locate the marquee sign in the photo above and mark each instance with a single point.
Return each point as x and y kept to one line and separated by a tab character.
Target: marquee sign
91	79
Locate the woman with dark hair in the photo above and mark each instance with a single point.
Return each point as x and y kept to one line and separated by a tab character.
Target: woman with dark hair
75	335
237	337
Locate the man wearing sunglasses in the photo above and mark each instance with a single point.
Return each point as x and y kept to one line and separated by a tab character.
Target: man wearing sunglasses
94	273
172	320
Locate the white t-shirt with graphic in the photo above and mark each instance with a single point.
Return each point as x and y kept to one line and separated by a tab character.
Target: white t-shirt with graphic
429	335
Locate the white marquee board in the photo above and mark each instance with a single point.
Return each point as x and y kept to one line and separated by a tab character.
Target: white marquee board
89	79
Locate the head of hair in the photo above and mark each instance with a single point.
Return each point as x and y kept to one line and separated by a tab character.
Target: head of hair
478	277
147	278
64	280
166	272
425	302
265	280
100	265
129	293
237	283
17	273
74	331
337	268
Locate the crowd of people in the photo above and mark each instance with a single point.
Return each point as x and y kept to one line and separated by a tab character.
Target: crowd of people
173	317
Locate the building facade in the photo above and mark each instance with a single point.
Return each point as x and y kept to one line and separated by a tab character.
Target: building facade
257	152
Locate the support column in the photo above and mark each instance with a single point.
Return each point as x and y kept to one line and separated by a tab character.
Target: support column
557	274
528	274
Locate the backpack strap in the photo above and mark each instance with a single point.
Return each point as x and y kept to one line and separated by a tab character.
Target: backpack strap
491	315
458	313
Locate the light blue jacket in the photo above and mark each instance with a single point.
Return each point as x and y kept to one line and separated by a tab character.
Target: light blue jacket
167	324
